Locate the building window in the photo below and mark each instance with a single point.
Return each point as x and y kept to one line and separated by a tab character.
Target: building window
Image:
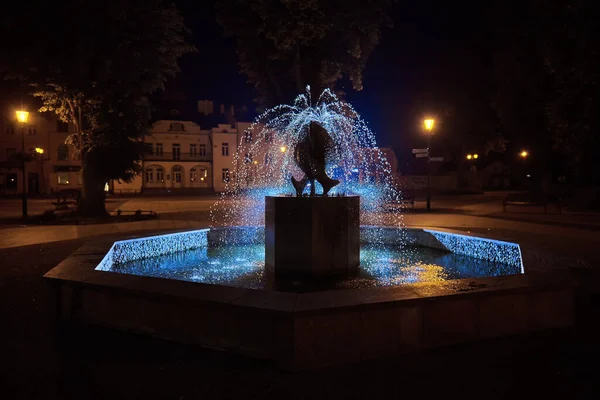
198	173
149	175
177	172
31	131
10	154
193	150
225	175
248	136
159	149
248	158
160	175
225	149
177	127
202	150
11	181
176	152
62	152
62	126
10	129
269	137
63	178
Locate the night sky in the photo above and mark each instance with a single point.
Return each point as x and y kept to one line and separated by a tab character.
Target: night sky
416	56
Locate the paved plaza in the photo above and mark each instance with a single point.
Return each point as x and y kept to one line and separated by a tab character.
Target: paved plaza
42	360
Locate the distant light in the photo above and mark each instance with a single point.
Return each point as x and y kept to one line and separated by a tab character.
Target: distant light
524	154
39	150
22	116
428	123
283	149
476	156
469	156
255	162
529	175
354	169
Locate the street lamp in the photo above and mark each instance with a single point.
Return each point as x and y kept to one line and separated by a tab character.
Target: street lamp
524	154
40	151
283	149
475	156
469	156
22	117
428	124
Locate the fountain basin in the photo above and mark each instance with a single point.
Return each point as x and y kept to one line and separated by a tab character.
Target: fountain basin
309	329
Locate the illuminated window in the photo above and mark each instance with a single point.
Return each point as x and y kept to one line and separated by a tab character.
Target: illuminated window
225	175
63	178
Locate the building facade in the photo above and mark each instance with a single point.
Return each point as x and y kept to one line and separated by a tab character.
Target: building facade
52	165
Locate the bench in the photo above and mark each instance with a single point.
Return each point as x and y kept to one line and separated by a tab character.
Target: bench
528	200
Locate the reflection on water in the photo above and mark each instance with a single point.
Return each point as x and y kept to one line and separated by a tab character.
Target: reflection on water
243	266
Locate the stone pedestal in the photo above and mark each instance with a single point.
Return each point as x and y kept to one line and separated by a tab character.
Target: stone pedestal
312	236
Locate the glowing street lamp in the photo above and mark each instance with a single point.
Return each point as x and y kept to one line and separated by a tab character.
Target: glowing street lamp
39	150
475	156
428	124
524	154
22	117
283	149
469	156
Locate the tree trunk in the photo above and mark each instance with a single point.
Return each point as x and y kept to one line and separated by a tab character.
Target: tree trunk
91	203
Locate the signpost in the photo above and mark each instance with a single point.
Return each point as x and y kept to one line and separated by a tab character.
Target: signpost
424	153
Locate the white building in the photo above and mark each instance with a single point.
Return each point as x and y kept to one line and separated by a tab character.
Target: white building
57	167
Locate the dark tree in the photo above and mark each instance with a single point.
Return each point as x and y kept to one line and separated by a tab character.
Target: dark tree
284	45
547	67
94	64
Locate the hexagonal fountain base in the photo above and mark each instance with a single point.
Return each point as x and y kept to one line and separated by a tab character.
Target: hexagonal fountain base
312	236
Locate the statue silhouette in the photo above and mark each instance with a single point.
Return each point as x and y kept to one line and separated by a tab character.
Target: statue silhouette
310	155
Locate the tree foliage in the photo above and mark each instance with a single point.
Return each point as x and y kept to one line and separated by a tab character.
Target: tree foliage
546	68
284	45
94	64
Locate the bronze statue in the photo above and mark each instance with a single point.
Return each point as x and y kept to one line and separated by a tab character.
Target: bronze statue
310	155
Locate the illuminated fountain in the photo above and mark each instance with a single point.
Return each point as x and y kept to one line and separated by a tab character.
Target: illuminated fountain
288	274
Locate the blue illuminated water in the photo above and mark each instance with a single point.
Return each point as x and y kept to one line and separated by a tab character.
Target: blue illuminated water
243	266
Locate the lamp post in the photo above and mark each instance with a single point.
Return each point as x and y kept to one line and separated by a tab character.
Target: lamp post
22	117
428	124
40	151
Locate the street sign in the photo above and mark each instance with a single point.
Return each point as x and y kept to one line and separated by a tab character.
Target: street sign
436	159
421	155
416	151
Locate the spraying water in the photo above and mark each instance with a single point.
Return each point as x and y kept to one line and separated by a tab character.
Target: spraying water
265	162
